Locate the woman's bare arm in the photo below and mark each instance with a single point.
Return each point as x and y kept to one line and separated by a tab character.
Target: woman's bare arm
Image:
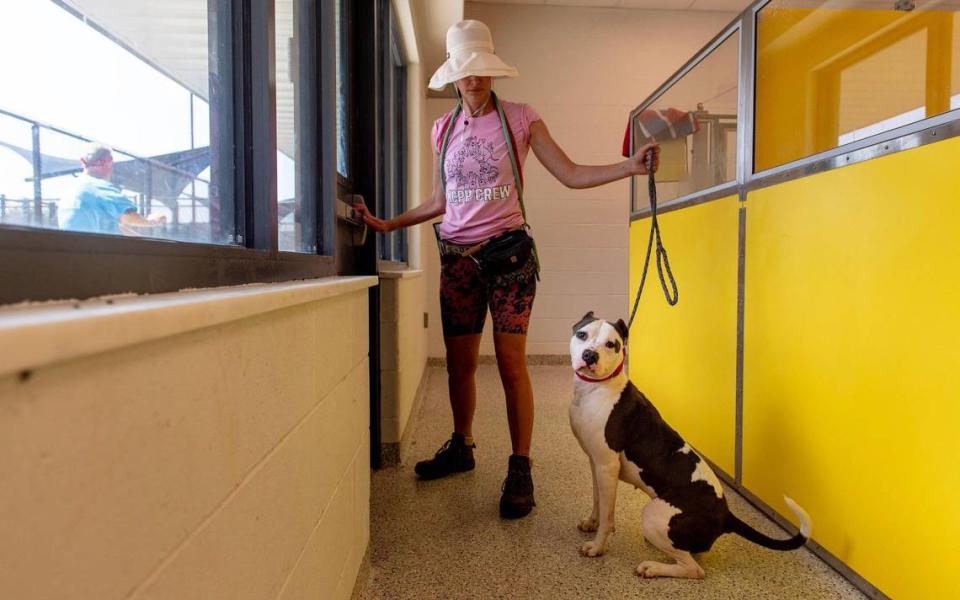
434	207
577	176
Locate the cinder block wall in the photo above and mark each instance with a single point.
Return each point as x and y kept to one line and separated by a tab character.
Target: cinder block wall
229	461
403	354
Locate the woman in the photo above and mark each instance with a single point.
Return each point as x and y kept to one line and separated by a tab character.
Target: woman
475	189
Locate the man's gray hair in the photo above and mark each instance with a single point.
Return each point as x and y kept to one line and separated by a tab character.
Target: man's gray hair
95	151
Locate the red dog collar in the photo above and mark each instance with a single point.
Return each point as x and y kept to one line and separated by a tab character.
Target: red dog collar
610	376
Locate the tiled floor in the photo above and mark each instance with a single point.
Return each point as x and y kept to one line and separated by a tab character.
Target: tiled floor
445	539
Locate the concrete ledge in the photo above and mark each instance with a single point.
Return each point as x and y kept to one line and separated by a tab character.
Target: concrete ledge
401	274
35	335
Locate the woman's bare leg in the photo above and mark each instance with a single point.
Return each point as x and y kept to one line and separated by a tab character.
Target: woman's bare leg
511	349
463	353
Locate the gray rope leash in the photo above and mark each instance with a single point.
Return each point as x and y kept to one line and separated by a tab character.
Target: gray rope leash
663	263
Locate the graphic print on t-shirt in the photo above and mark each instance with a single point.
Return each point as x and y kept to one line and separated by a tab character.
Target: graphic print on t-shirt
474	168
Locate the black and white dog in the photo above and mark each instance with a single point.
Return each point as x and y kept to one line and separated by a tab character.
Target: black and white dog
626	439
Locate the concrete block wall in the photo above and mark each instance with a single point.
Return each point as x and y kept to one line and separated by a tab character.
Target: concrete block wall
222	461
403	353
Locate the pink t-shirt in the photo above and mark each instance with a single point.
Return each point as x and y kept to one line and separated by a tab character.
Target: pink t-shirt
481	193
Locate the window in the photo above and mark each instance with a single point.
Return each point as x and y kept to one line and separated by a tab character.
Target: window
695	123
108	130
393	246
206	123
833	73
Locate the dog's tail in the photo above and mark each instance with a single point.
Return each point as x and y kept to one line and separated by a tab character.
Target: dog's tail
735	525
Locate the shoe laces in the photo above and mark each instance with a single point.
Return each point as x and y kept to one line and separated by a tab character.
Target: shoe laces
448	448
518	482
444	448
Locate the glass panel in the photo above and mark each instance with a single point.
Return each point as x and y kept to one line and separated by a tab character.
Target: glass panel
343	120
394	201
695	123
290	234
399	161
133	76
831	73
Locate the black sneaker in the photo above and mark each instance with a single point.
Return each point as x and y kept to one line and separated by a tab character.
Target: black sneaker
455	456
517	499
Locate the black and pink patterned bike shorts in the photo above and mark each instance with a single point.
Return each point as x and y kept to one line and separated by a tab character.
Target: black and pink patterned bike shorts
465	296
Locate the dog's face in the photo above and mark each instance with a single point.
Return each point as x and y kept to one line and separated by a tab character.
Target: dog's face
596	348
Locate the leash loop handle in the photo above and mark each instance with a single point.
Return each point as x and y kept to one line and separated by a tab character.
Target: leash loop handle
672	294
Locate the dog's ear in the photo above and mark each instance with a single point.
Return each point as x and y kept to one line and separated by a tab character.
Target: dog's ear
587	318
621	328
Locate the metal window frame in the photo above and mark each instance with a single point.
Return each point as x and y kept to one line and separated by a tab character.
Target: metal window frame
392	246
715	192
367	30
326	126
384	118
925	131
43	264
399	76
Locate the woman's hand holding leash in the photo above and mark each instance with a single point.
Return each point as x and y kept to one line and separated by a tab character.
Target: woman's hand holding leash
639	159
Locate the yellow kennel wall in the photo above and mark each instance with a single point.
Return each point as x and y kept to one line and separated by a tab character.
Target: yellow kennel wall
684	357
826	274
851	358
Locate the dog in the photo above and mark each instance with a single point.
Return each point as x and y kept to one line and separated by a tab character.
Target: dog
626	439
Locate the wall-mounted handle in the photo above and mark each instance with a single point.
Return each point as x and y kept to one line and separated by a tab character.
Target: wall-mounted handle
347	214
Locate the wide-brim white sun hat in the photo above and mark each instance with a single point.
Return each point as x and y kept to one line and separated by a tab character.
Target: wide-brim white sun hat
470	52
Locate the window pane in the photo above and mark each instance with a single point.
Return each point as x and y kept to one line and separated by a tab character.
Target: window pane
134	76
833	73
695	123
385	205
400	160
343	120
393	244
291	235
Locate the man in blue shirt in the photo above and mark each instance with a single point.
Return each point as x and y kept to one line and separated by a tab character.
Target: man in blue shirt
97	205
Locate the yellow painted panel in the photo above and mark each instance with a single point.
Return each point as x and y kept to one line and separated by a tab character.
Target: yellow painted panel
852	362
684	357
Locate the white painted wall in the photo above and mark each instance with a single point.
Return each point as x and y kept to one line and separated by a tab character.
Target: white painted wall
196	445
583	70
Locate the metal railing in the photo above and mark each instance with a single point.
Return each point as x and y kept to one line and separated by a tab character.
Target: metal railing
38	176
29	212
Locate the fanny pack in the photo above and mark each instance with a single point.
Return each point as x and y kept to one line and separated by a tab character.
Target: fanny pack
505	253
500	255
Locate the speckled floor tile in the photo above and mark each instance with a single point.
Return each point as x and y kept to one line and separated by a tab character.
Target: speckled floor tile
445	539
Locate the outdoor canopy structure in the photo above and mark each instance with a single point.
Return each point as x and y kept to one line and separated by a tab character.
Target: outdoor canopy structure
162	177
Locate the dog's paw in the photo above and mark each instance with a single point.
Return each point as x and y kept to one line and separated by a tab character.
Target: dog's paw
649	569
588	524
592	548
